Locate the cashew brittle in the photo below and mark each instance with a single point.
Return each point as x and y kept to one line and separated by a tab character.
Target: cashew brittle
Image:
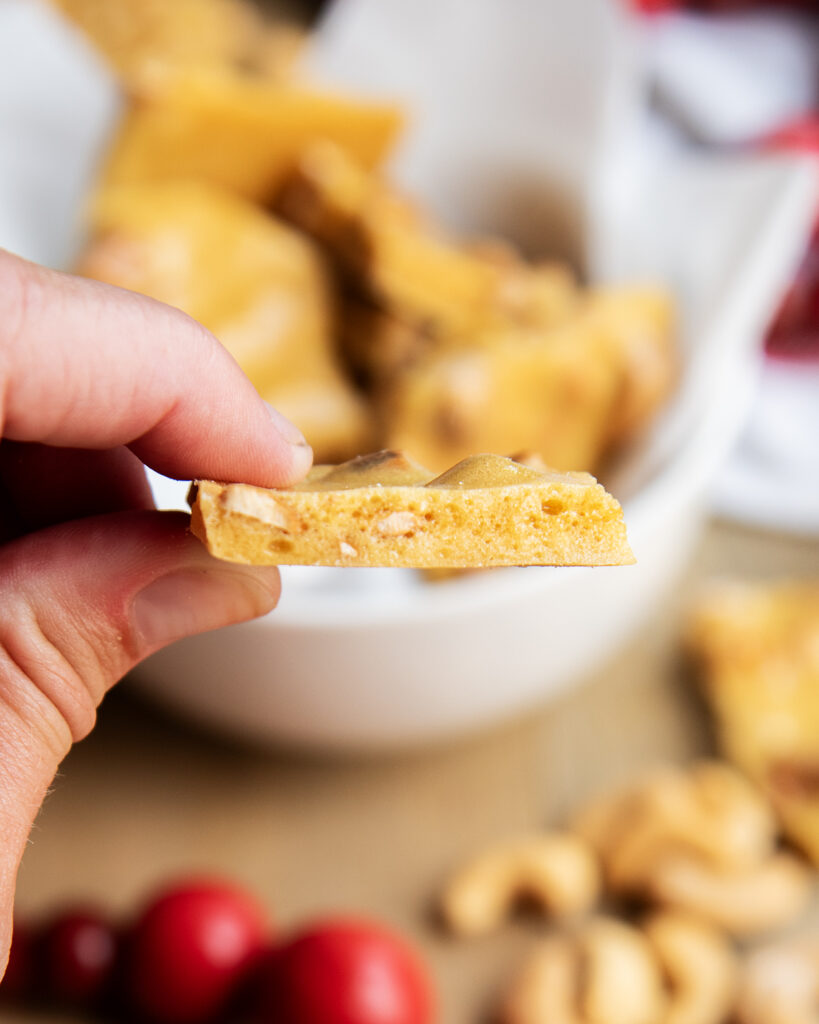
757	649
387	510
557	871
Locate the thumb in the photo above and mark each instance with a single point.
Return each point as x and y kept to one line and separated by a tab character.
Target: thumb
80	604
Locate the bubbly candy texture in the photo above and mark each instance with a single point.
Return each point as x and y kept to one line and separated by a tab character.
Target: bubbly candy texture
384	509
757	648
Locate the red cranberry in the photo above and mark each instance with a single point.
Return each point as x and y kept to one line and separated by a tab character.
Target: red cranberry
17	981
344	972
655	6
76	953
190	951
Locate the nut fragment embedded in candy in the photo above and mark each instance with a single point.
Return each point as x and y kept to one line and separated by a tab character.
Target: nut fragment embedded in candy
256	504
397	524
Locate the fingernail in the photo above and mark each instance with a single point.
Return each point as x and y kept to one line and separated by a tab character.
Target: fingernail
300	451
289	431
191	601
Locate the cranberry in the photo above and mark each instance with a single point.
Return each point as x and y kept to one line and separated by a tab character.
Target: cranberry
655	6
344	972
794	334
17	981
801	135
190	950
76	954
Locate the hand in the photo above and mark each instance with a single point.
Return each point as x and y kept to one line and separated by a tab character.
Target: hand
94	381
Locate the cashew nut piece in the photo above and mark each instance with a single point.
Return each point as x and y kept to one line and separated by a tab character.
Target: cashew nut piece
557	871
545	991
606	974
742	824
700	968
780	984
710	810
747	902
623	982
699	840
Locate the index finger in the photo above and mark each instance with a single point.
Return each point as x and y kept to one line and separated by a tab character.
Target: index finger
87	365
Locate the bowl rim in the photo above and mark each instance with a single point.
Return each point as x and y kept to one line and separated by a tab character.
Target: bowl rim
715	420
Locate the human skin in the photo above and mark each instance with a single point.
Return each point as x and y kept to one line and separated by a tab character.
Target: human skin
95	382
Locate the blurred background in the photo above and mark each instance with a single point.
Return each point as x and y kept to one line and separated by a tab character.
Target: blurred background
585	230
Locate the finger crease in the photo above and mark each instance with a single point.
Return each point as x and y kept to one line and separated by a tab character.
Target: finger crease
30	707
46	666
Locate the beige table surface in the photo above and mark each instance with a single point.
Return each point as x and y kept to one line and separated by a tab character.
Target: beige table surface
145	798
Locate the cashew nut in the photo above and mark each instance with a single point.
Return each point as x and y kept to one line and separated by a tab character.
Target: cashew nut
699	965
545	990
557	871
606	974
742	824
746	902
780	984
623	980
701	840
710	810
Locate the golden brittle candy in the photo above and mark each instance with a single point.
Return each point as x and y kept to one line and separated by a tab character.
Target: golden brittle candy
641	324
238	131
424	316
257	284
397	260
378	345
386	510
138	35
758	648
550	392
145	38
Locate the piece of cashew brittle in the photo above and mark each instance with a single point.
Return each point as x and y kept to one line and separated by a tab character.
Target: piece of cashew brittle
556	871
699	965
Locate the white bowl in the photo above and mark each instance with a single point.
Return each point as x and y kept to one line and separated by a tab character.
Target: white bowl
365	660
374	659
